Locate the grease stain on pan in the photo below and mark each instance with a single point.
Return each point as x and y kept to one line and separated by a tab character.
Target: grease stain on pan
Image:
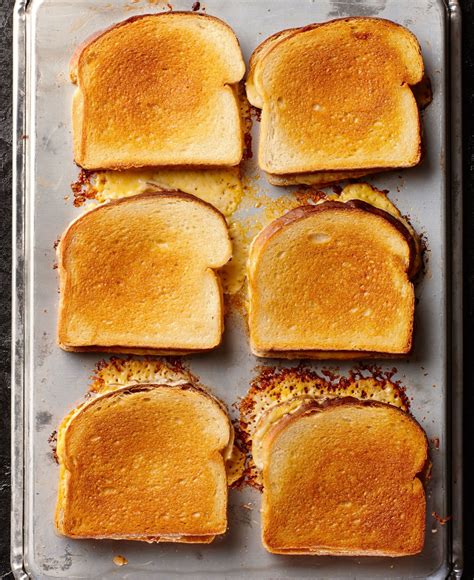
340	9
63	563
43	419
45	350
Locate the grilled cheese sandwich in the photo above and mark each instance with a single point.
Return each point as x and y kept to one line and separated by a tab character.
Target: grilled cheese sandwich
135	276
336	100
343	477
340	462
339	287
109	449
181	108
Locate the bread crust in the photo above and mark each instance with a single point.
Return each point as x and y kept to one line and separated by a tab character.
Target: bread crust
130	350
318	178
325	354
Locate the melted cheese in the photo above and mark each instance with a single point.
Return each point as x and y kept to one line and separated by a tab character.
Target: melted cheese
233	274
235	465
222	188
284	392
365	192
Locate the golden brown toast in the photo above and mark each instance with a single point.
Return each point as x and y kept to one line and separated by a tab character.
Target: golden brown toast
342	478
158	90
144	462
332	281
337	97
138	275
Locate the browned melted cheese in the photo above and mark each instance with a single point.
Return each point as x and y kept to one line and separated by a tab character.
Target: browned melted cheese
276	393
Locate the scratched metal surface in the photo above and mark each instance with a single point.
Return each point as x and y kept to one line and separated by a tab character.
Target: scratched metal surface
54	381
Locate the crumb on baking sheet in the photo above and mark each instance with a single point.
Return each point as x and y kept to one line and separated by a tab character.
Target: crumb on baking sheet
442	521
53	444
120	560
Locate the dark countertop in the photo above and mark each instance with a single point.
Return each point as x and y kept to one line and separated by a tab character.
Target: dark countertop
6	7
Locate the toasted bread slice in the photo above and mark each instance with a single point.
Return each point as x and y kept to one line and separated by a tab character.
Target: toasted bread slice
337	96
158	90
332	280
342	478
137	275
144	462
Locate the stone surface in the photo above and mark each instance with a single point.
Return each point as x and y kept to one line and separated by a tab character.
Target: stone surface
6	7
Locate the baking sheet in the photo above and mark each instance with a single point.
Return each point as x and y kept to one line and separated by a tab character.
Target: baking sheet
49	382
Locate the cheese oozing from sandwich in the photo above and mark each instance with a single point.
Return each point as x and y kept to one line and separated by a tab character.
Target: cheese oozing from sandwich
221	187
276	393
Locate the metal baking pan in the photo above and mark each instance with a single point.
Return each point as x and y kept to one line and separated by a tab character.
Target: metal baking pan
48	382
